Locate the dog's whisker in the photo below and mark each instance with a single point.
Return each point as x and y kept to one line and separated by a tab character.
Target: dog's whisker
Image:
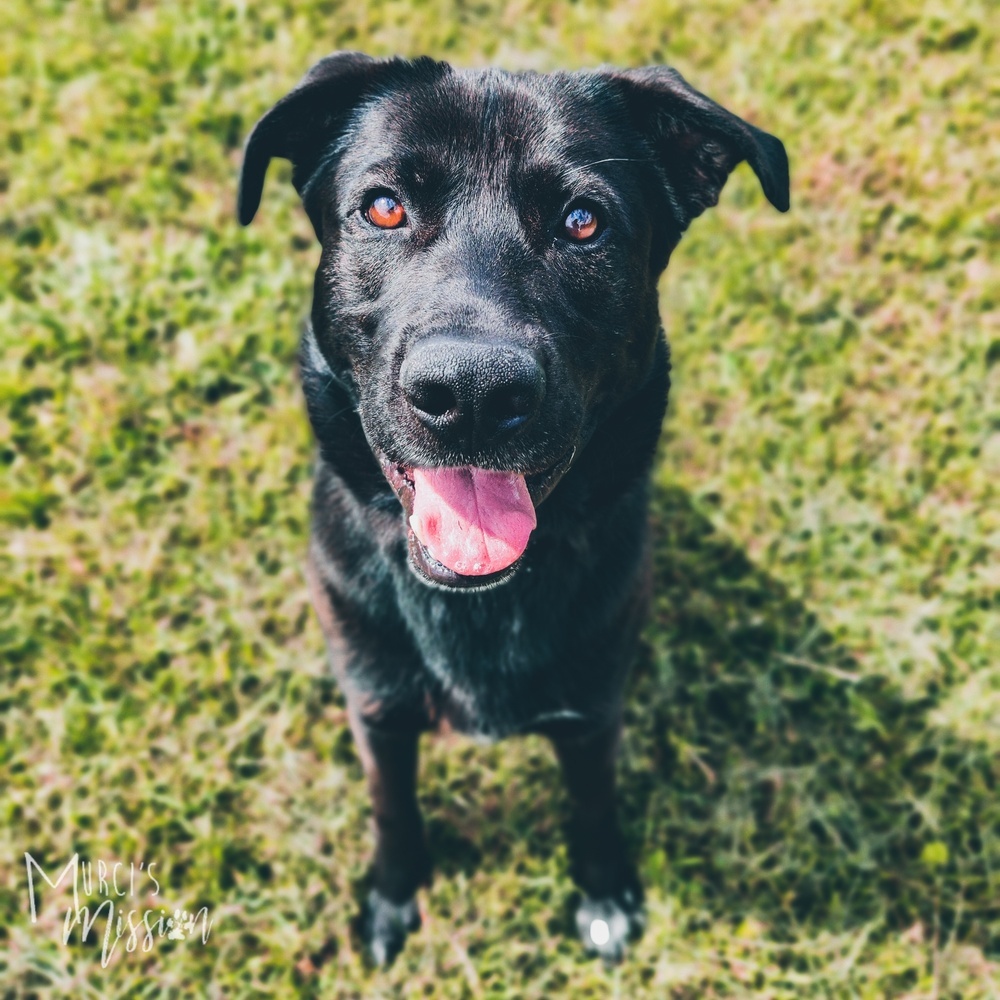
610	159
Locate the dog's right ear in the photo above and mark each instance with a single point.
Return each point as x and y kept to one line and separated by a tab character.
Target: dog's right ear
696	142
304	123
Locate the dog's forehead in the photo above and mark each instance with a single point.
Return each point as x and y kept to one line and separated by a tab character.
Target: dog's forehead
491	117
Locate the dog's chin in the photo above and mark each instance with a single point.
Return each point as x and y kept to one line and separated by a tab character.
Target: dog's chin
428	569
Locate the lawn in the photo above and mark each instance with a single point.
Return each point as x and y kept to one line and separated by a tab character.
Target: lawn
810	771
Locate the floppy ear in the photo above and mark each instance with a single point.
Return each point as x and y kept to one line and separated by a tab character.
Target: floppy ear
304	123
697	143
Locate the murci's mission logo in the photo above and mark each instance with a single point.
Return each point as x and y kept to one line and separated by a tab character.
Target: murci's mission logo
109	891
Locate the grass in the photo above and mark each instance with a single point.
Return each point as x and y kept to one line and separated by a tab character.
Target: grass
810	772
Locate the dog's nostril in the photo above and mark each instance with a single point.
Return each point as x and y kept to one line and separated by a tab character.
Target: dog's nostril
434	399
509	407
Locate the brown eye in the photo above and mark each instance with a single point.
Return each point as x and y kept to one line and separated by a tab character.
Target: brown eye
385	212
580	224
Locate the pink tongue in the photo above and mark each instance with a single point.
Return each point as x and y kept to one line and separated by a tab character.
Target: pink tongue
472	521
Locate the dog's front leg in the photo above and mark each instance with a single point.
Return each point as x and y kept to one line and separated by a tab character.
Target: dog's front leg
402	862
386	738
612	908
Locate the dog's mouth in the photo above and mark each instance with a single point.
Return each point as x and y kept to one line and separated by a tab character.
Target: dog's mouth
467	527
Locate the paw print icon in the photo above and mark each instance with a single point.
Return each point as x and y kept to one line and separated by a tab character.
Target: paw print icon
181	924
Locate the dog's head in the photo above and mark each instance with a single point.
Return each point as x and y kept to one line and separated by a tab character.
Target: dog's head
491	249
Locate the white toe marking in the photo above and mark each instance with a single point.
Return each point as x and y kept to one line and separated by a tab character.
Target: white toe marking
600	933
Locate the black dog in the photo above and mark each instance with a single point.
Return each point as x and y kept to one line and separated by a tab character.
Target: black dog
486	376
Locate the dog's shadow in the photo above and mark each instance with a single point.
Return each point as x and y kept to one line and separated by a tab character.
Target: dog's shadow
765	776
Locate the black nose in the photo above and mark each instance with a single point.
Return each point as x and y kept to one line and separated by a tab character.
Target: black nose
473	392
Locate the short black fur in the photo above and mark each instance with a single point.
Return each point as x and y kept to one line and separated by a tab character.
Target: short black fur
487	164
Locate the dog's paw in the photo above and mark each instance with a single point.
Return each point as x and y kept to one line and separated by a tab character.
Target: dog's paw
385	925
607	925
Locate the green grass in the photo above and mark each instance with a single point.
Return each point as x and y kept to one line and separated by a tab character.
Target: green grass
810	772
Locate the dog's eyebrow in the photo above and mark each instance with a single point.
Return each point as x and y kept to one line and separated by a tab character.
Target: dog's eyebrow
564	173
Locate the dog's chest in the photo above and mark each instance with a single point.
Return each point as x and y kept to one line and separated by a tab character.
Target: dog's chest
495	659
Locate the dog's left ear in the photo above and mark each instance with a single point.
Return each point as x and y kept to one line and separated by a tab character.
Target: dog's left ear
697	143
305	123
